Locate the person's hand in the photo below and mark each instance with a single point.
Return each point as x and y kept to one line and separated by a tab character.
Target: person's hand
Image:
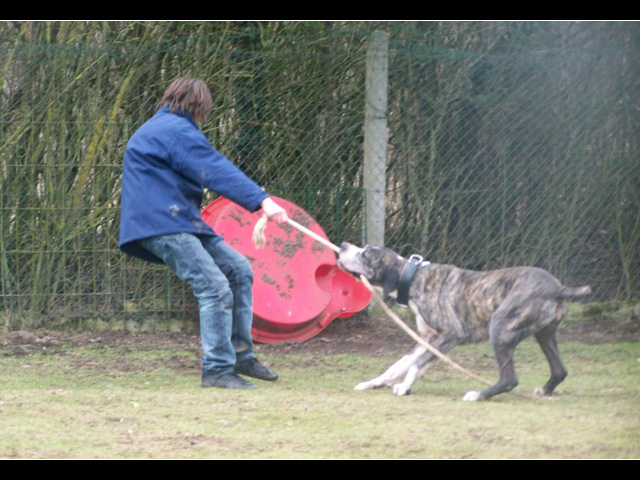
274	211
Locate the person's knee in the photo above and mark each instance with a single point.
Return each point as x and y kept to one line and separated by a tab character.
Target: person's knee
217	295
244	271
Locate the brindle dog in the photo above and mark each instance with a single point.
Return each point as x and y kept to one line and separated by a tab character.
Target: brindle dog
461	306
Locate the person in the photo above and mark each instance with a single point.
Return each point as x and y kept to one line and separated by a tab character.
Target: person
167	164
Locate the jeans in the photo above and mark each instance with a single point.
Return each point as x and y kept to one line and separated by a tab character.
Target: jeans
221	279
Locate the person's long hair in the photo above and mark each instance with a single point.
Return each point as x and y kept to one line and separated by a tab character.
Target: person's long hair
188	95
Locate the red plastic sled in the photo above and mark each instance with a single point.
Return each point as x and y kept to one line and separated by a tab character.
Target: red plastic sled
298	288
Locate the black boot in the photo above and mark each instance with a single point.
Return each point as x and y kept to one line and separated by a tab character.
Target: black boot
226	380
253	368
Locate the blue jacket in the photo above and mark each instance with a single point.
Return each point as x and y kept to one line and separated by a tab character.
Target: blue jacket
167	164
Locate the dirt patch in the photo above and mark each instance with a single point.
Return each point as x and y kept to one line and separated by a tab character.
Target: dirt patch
359	334
367	334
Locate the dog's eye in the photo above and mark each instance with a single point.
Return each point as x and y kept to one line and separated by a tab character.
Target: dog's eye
370	251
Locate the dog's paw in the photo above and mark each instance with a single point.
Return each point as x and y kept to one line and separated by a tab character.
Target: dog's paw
472	396
364	386
401	389
539	392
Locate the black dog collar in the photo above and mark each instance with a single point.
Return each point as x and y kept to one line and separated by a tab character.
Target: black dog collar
407	277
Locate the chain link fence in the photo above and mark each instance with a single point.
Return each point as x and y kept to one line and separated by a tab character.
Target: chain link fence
505	143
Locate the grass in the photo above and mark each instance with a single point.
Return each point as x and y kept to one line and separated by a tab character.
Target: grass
121	401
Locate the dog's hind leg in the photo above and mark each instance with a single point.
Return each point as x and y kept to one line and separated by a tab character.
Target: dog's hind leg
504	340
547	340
508	378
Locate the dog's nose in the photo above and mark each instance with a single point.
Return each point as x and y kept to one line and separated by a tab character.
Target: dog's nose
344	246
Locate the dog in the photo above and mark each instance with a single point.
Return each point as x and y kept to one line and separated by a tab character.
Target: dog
454	306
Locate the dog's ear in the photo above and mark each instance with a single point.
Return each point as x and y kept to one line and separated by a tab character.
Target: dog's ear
390	277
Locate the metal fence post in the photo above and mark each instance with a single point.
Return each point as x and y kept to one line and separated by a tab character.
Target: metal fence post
375	136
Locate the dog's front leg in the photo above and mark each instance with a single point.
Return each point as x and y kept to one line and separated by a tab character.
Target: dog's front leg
414	373
395	371
421	362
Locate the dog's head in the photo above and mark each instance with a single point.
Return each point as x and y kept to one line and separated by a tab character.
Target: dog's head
381	266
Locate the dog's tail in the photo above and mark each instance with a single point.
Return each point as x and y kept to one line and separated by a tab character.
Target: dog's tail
570	292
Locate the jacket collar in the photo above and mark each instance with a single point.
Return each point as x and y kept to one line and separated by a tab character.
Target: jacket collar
180	113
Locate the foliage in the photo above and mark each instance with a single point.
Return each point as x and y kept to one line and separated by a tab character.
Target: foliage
510	143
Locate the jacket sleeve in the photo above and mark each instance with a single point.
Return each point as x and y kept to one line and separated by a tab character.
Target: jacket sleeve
194	158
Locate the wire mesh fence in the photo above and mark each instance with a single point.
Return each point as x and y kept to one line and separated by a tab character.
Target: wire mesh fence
506	143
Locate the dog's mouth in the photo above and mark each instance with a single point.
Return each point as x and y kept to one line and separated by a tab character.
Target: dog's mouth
351	268
349	271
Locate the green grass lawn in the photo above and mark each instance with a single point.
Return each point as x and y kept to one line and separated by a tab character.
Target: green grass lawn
94	400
